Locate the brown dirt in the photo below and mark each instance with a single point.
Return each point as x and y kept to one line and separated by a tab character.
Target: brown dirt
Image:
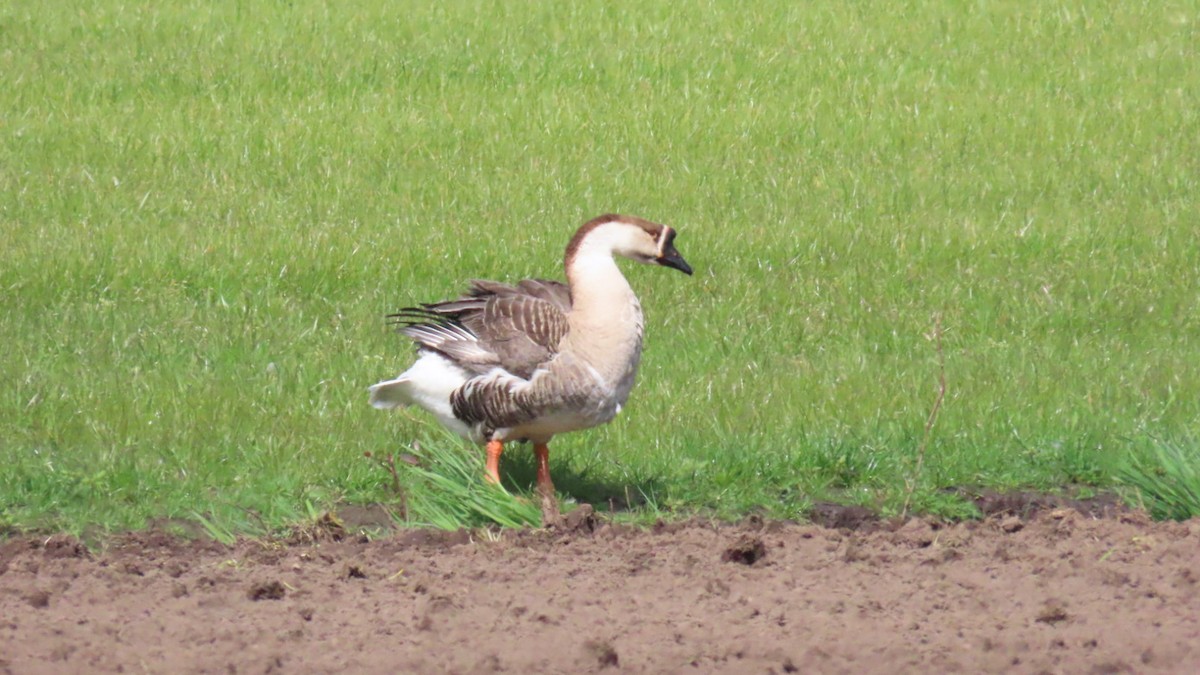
1056	592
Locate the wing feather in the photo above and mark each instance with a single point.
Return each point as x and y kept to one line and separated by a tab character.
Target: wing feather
516	328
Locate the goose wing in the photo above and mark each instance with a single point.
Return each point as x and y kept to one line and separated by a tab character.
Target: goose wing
516	328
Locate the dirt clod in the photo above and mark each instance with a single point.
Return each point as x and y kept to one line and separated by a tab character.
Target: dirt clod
38	599
603	652
747	550
65	547
551	514
917	532
327	527
582	520
270	590
1052	613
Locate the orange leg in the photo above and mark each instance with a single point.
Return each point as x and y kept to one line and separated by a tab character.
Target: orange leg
494	448
542	452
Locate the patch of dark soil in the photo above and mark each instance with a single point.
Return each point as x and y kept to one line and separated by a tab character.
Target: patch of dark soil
148	540
1019	504
157	544
436	539
843	517
366	518
57	547
672	526
189	529
1024	504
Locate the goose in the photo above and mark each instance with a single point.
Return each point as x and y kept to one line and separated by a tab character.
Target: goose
527	362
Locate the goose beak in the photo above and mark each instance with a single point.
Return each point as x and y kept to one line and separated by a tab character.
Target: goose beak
671	258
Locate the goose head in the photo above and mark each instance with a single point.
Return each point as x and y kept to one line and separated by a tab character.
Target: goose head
629	237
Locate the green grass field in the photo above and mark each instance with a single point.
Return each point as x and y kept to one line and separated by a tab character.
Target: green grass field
207	207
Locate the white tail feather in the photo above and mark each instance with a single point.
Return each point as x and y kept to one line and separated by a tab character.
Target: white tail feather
391	394
427	385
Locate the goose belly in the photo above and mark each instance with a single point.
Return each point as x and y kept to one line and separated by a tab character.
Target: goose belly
569	407
551	424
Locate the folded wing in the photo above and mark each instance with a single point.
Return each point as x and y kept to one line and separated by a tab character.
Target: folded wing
515	328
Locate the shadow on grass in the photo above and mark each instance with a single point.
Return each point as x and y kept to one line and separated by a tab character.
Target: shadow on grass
518	472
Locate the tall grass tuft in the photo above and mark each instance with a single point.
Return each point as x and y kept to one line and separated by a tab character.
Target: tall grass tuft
447	490
1167	480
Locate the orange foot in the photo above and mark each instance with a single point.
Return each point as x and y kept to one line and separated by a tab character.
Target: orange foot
494	448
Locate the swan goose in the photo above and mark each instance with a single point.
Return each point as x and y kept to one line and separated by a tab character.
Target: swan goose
527	362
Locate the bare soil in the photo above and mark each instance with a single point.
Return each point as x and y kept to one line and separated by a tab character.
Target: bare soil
1047	590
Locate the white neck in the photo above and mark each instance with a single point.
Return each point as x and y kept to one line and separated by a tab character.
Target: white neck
600	295
605	335
605	322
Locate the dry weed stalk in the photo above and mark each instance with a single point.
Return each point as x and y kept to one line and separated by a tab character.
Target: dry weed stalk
388	462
